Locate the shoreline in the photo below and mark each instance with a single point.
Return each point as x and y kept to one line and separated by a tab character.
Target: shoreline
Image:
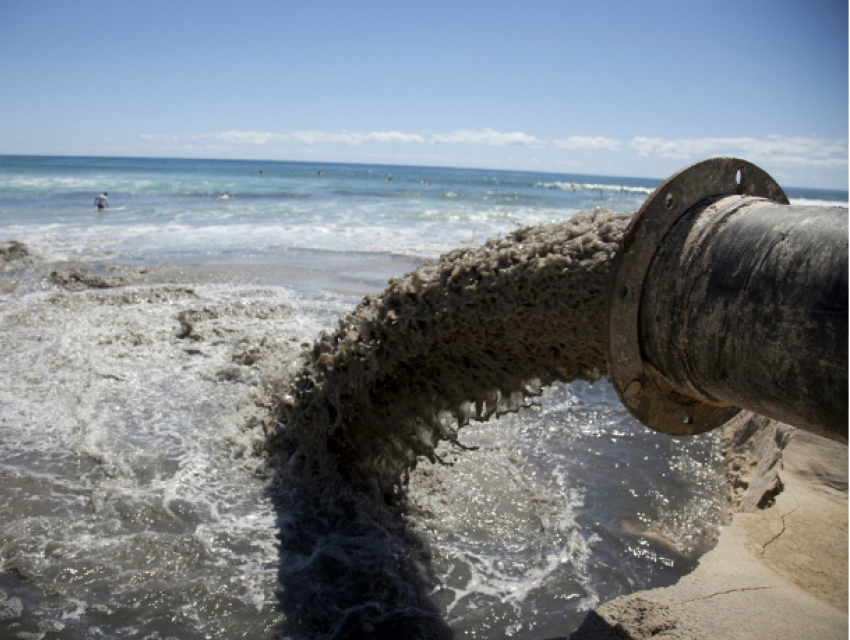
779	569
339	273
772	570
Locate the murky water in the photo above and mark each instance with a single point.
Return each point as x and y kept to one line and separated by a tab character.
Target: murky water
146	351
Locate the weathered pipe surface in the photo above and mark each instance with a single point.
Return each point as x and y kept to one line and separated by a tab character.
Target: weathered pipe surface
725	297
745	304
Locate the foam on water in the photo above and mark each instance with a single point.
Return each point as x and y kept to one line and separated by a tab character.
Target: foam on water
521	529
597	187
815	202
424	211
134	499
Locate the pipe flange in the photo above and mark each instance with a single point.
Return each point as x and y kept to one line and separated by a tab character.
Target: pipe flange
643	390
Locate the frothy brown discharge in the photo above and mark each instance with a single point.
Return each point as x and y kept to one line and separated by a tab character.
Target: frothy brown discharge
466	337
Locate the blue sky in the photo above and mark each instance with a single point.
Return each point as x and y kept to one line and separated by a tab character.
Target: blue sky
604	87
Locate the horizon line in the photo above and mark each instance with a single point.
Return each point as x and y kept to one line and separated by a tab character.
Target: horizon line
382	164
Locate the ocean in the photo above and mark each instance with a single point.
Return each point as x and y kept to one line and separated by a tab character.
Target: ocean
145	345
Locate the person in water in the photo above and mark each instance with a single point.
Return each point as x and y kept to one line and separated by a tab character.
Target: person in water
102	201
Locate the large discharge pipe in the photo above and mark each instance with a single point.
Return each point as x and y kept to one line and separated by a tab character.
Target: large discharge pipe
726	297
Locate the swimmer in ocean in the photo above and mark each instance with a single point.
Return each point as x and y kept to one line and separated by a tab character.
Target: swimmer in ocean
102	201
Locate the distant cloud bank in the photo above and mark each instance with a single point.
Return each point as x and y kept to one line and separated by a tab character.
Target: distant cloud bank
797	150
299	137
583	142
802	151
487	137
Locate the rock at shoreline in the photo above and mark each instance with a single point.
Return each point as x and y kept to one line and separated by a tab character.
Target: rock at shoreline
13	251
73	280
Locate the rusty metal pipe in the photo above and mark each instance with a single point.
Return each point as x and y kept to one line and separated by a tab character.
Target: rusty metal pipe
726	297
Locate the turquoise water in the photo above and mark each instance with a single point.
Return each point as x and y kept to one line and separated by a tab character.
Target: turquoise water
132	493
164	207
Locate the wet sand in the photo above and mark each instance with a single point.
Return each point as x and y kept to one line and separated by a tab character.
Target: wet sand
779	569
348	274
343	273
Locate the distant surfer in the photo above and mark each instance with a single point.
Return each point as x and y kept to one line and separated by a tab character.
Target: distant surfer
102	201
225	196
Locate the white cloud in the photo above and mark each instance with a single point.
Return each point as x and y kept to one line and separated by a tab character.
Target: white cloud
301	137
487	137
163	137
777	149
353	138
587	142
773	150
391	137
242	137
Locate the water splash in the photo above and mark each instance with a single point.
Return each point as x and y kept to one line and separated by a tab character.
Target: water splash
468	337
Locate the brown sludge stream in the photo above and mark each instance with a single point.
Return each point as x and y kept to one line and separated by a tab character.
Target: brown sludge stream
468	337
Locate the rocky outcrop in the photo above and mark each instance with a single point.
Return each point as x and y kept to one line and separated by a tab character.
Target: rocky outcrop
74	280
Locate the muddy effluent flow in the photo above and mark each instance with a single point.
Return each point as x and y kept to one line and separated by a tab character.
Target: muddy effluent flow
467	337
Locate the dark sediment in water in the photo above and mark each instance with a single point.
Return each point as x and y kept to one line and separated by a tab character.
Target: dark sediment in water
12	252
21	266
467	337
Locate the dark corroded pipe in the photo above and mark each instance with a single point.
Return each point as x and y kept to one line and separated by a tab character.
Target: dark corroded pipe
726	297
